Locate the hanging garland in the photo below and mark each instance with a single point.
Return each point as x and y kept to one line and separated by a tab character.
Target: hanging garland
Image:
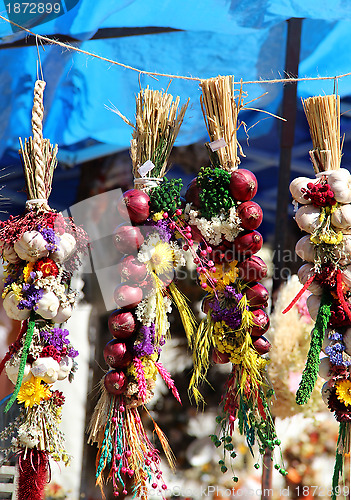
325	215
224	221
40	250
140	326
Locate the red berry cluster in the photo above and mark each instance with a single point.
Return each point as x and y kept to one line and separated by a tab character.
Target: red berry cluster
321	195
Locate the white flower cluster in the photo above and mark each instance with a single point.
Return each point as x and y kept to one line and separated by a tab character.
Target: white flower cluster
216	228
146	311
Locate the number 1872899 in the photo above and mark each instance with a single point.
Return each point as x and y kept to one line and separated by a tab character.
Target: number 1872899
33	8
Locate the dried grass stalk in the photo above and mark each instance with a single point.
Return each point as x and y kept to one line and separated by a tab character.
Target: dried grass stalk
38	155
220	110
27	152
323	116
158	121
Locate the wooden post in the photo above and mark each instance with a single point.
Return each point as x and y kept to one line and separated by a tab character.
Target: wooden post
292	57
286	143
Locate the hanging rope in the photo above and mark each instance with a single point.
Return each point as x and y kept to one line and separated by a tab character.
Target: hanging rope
166	75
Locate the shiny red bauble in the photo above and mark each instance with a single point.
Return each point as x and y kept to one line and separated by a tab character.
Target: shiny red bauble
116	354
115	382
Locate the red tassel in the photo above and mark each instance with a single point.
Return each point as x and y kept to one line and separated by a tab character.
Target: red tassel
341	295
14	347
33	474
298	296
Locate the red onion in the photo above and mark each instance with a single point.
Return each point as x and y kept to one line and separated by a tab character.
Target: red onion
251	215
134	205
243	185
261	345
128	295
122	324
131	269
115	382
221	253
261	323
147	286
246	244
205	306
116	354
257	295
192	193
127	239
252	269
196	234
220	358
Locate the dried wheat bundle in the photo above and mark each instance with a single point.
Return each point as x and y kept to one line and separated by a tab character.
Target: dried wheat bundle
220	110
158	121
38	155
323	116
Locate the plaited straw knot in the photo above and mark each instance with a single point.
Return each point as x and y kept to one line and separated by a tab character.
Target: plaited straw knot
38	141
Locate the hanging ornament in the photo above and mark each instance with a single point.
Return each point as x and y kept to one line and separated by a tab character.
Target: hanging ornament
140	325
40	249
325	204
224	220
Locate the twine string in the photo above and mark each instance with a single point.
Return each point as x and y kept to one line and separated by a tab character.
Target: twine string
168	75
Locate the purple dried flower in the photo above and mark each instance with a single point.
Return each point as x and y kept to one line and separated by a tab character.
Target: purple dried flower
50	237
335	351
31	295
145	344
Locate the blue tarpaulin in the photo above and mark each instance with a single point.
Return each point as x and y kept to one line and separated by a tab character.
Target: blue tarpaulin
239	37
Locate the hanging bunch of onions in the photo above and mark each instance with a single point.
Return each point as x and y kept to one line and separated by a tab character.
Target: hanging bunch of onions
147	243
224	220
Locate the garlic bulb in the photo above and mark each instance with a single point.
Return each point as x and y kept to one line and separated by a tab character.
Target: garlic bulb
31	246
305	249
325	369
304	274
46	369
326	340
340	183
65	248
65	367
10	255
341	217
48	305
313	302
326	391
342	252
63	314
295	189
346	277
347	341
10	305
307	218
12	371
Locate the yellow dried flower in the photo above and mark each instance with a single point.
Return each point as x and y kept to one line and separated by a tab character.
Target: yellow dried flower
343	391
32	392
27	270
